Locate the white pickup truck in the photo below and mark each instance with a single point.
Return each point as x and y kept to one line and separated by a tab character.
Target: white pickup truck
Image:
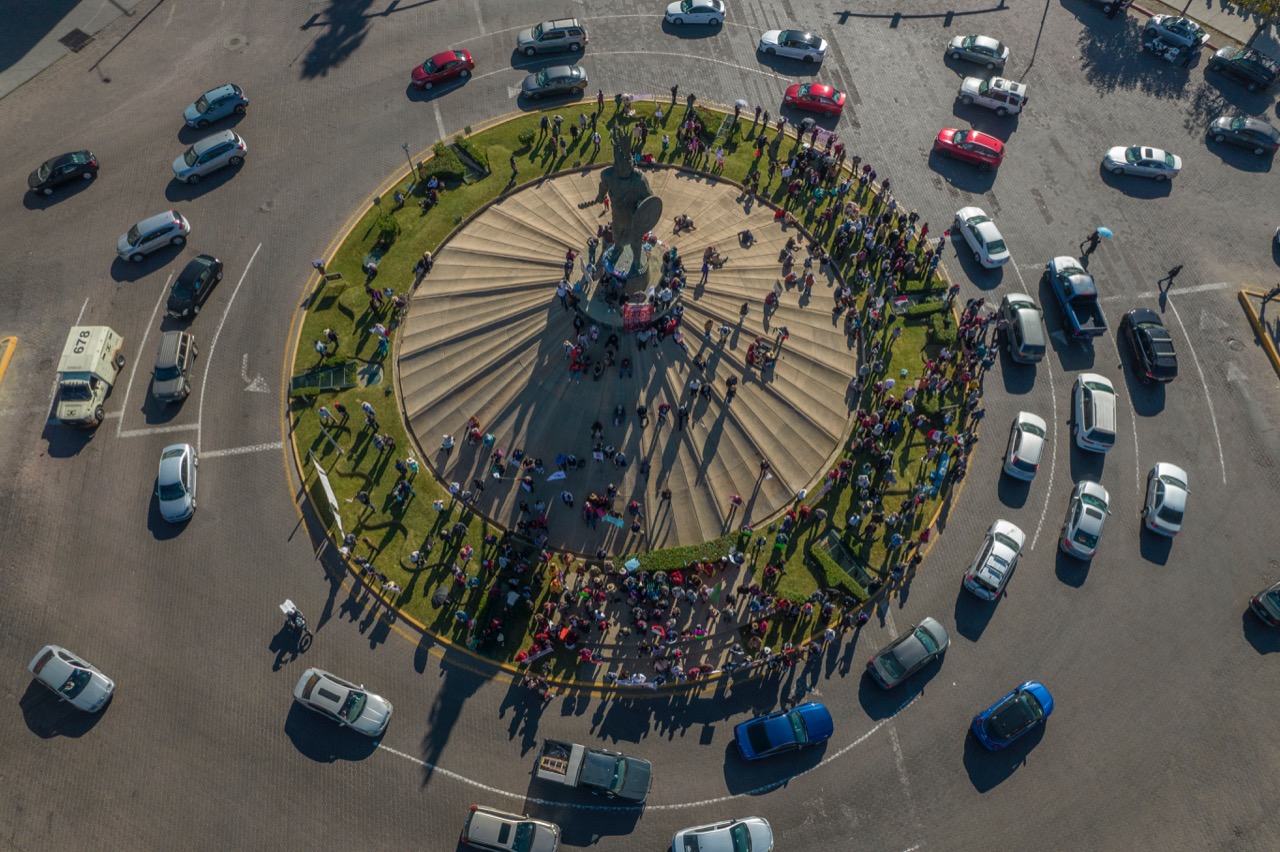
599	770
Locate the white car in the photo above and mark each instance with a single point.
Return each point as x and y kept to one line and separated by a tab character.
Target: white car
1086	514
76	682
344	702
1094	423
1177	30
155	232
1026	446
1154	163
751	834
1166	499
696	12
793	44
983	237
499	831
176	482
995	561
1006	97
211	153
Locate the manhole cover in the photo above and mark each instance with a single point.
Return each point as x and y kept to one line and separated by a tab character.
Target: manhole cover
75	40
1234	344
267	206
235	42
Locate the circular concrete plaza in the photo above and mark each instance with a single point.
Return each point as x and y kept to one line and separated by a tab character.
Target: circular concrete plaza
485	337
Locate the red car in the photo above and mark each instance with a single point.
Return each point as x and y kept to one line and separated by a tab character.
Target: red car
442	67
971	146
814	97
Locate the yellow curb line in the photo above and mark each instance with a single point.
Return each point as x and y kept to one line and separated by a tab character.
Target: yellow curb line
10	344
1254	320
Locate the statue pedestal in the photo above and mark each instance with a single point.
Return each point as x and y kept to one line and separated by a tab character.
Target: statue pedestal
603	303
636	269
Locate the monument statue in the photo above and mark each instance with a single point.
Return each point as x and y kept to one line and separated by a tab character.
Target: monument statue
636	210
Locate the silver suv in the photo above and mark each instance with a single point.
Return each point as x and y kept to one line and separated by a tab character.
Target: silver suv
154	232
210	154
175	360
567	34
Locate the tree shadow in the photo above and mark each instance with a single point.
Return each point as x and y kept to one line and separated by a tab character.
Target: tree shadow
1112	59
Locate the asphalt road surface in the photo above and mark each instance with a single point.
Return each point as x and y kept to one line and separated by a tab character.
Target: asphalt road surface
1162	737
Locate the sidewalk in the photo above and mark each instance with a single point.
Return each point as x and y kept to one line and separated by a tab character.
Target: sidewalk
1227	23
30	40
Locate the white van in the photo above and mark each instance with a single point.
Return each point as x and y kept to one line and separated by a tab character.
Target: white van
91	360
1095	413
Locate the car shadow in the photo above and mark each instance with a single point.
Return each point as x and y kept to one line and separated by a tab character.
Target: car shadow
981	277
1235	94
758	777
1263	638
40	201
1084	464
964	68
691	31
1240	159
1069	570
1073	355
1018	378
880	703
1136	187
65	441
528	104
963	176
322	741
1013	492
422	95
47	716
156	412
579	827
988	768
789	67
1147	398
1153	547
126	270
972	614
986	121
177	190
190	135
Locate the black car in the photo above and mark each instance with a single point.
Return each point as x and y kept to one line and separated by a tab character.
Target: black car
1254	134
194	285
1151	345
78	165
1256	71
556	80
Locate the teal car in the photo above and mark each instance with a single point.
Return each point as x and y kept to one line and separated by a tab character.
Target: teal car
215	105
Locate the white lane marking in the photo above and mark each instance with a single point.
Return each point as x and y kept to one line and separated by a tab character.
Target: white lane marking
1196	288
158	430
124	404
475	4
241	451
208	359
435	105
1213	417
53	392
1053	450
672	807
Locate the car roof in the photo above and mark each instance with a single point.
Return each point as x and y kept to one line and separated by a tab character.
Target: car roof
822	90
966	213
817	720
984	139
195	266
988	41
1085	378
800	36
1013	531
1033	419
171	461
214	139
214	94
1093	489
1259	126
158	219
560	70
445	56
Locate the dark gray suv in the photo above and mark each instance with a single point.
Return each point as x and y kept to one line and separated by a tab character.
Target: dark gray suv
175	362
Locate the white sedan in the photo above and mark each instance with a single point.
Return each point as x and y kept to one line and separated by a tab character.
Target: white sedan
983	237
1166	499
793	44
176	482
1142	161
696	12
342	701
1086	514
995	561
76	682
750	833
1026	446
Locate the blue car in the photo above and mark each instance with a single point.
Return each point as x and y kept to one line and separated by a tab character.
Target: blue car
1012	716
783	730
214	105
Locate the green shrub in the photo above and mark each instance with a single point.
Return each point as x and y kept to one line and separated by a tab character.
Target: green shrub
835	575
474	151
444	165
941	330
526	137
923	309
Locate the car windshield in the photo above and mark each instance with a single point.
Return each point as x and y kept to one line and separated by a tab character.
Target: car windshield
960	136
996	247
1172	516
172	491
804	90
191	157
686	5
798	732
537	31
891	666
741	838
1169	161
926	639
1023	464
619	775
1095	502
76	683
76	392
352	707
202	104
1097	386
523	841
1032	429
1132	155
984	87
1015	716
165	374
43	172
542	78
1007	542
133	236
429	66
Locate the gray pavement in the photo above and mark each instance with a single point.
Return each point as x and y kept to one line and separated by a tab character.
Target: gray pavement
1164	720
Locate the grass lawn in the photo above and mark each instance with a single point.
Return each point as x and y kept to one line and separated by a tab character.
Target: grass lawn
391	530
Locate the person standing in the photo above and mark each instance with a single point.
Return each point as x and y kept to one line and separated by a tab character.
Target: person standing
1166	283
706	271
1092	242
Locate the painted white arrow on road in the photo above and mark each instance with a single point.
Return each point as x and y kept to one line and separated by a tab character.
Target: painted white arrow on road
1209	322
256	384
512	91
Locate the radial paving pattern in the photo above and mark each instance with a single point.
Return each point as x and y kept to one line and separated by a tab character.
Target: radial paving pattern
485	337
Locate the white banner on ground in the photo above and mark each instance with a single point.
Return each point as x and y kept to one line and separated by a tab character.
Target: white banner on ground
328	493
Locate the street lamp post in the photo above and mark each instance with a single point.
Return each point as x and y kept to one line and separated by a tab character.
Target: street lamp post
412	170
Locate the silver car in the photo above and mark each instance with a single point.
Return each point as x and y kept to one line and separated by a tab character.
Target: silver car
210	154
793	44
76	682
1026	446
176	482
750	834
556	80
342	701
1179	31
1086	514
1166	503
909	653
499	831
983	50
996	559
155	232
1154	163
